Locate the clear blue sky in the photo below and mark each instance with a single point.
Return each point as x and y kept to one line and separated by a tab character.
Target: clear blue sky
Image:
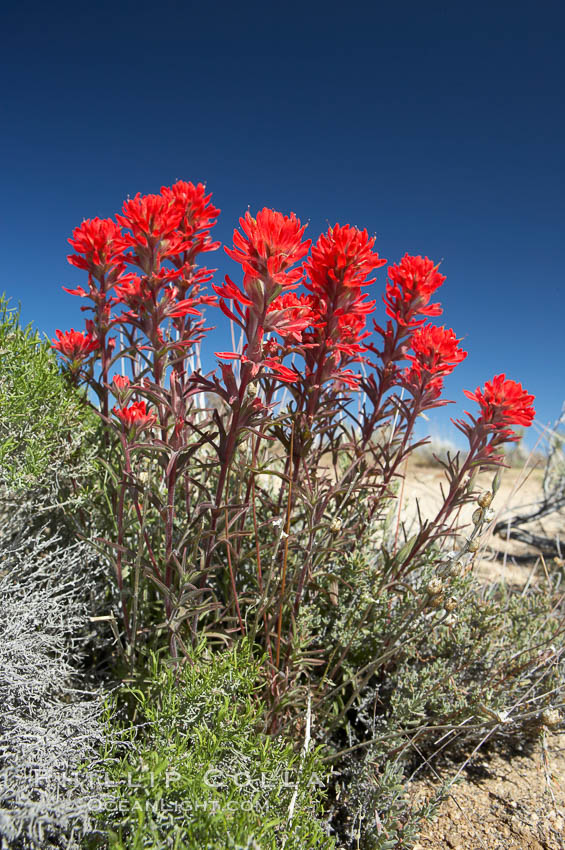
440	127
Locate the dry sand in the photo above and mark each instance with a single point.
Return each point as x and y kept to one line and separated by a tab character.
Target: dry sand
502	803
519	490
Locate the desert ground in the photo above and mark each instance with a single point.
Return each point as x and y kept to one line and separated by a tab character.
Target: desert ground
503	800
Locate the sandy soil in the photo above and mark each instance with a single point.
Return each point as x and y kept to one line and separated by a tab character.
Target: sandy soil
518	490
501	802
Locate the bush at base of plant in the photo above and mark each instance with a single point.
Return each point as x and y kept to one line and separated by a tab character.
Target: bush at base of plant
50	705
448	664
51	717
45	424
196	771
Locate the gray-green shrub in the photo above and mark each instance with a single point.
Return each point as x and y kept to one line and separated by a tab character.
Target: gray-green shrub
425	673
46	430
50	713
50	583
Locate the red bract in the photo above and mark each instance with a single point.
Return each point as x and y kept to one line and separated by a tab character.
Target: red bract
74	344
199	215
120	384
351	330
413	282
173	306
504	403
98	243
151	217
255	366
341	258
132	291
339	266
436	351
134	416
289	315
271	245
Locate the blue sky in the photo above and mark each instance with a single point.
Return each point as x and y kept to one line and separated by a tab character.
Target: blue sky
439	127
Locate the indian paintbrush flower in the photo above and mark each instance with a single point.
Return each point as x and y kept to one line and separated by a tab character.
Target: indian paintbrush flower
504	403
135	417
75	345
99	244
412	283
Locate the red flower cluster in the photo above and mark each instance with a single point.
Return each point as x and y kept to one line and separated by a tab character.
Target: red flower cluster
199	214
271	245
413	282
150	217
341	262
504	403
436	350
173	226
343	257
436	354
74	344
135	416
99	245
121	384
160	236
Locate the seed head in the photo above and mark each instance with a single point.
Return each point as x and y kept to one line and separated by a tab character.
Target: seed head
551	718
448	568
473	545
450	555
435	586
450	604
485	499
436	601
335	525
